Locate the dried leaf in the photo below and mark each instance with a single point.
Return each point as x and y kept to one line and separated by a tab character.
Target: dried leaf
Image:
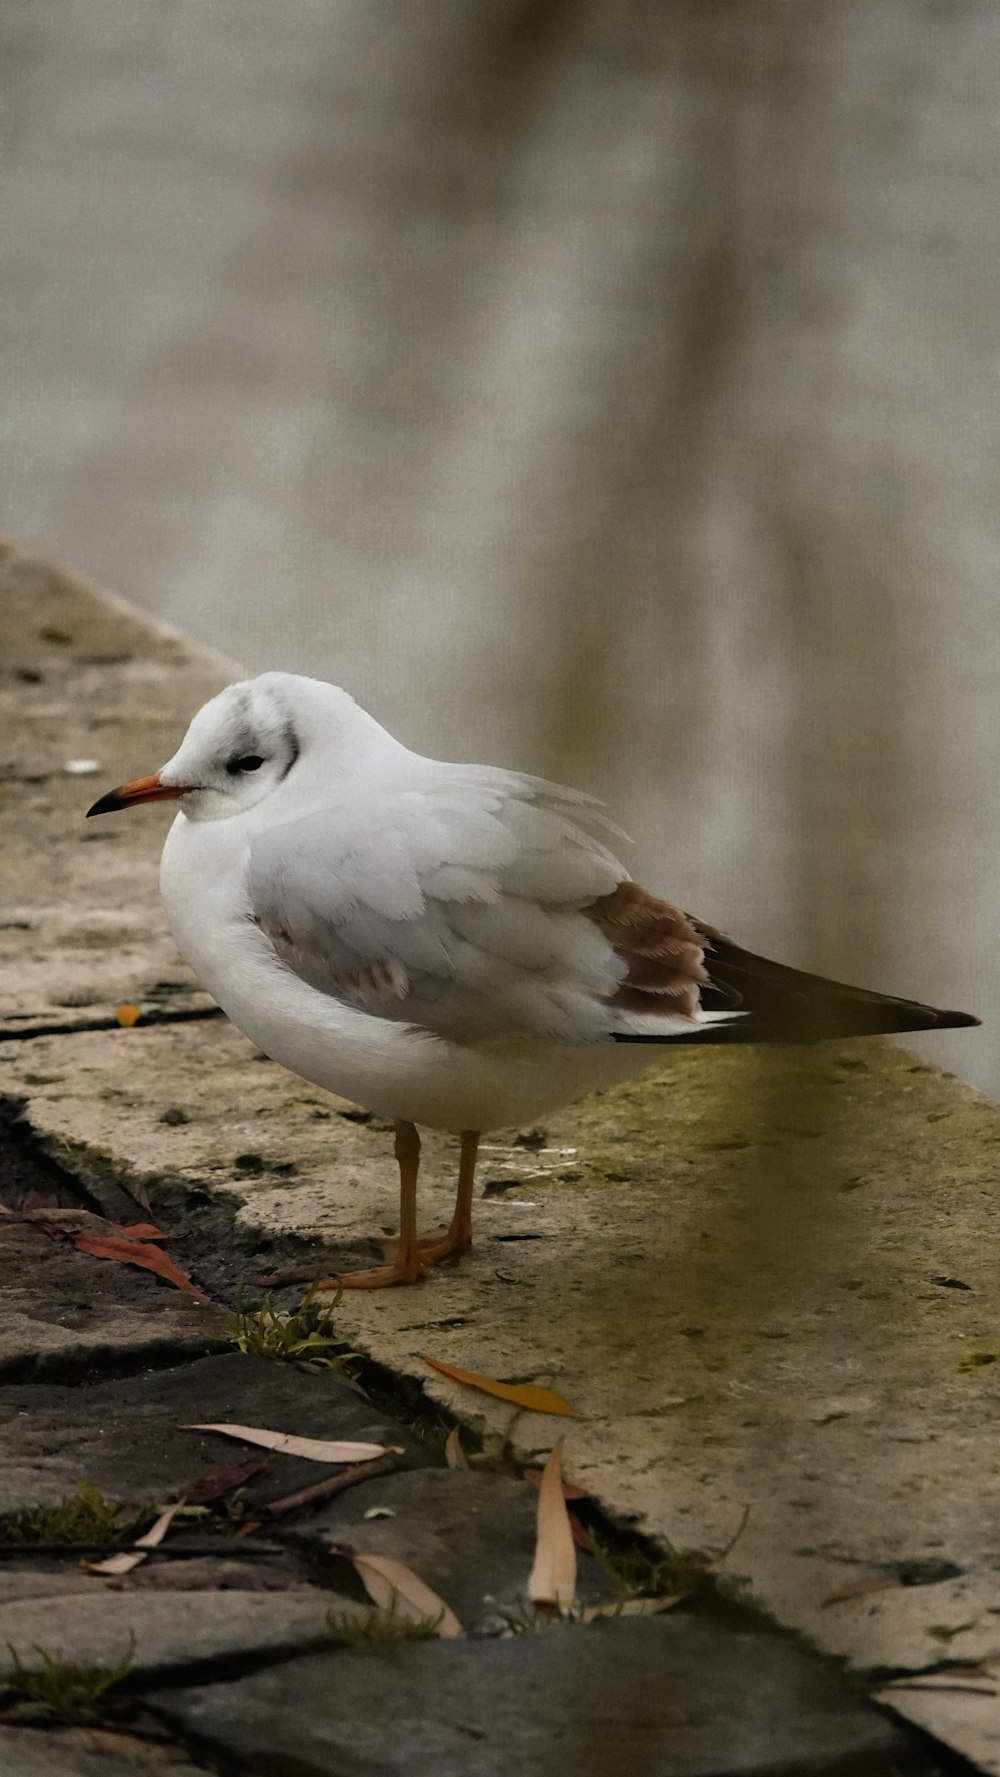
136	1252
139	1230
580	1535
126	1559
861	1589
127	1015
224	1480
534	1475
393	1586
156	1532
454	1455
553	1576
316	1449
536	1400
979	1679
116	1565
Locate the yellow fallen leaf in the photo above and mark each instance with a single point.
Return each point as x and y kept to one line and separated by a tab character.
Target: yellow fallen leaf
553	1576
454	1455
394	1586
127	1015
316	1449
534	1475
126	1559
537	1400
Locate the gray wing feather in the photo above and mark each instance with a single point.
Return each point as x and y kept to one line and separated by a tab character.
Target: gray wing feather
455	906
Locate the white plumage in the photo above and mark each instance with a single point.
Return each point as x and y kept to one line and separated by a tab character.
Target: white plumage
405	932
454	907
454	945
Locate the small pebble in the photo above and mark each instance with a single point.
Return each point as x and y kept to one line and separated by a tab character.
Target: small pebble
81	767
175	1115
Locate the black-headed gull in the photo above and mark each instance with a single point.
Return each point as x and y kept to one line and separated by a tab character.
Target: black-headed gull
453	945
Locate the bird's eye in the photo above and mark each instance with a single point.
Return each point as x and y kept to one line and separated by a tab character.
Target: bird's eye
250	763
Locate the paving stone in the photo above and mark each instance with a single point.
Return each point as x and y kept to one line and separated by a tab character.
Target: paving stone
471	1536
960	1707
169	1629
88	1752
672	1696
124	1436
738	1272
27	1578
41	1579
67	1312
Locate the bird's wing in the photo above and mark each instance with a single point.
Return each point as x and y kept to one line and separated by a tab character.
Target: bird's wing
457	903
478	904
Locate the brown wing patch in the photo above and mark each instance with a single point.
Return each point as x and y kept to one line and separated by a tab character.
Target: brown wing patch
662	951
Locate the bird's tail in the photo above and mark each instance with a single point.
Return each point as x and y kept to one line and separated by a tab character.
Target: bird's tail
750	999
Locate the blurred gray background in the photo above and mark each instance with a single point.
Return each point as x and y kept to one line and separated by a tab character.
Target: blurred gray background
605	389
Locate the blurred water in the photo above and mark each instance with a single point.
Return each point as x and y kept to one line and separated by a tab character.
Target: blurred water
609	391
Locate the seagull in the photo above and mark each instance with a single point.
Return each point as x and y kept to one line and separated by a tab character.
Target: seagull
456	946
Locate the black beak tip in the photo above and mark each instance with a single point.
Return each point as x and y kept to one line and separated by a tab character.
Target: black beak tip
109	804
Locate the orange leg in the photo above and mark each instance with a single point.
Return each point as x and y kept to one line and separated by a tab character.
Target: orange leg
457	1237
407	1264
409	1255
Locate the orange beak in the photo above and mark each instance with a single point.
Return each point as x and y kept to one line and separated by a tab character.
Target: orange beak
143	789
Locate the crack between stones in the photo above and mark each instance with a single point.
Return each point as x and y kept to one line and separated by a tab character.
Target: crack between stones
60	1369
84	1026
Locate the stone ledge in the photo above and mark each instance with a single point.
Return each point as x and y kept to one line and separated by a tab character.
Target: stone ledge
87	682
755	1276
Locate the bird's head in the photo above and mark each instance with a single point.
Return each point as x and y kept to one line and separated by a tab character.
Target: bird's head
243	745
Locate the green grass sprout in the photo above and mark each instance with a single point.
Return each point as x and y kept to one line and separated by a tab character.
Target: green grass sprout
88	1518
61	1687
301	1335
380	1628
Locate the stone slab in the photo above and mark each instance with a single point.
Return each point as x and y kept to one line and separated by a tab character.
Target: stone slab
260	1143
671	1696
85	679
169	1630
125	1436
960	1706
756	1276
88	1752
66	1312
40	1576
470	1535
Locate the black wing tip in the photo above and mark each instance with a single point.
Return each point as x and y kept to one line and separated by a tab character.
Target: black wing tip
955	1021
900	1019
